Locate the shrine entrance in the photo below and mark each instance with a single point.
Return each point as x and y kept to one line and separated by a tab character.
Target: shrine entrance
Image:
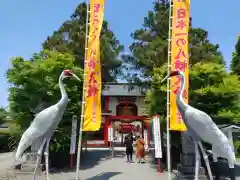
124	109
125	122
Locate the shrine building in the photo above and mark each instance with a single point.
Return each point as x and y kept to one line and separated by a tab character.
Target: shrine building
124	109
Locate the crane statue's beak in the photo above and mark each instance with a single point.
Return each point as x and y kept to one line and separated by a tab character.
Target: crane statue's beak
164	79
173	73
77	78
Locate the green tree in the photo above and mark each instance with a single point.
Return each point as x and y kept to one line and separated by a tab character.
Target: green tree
3	115
150	46
212	90
70	38
34	86
150	52
235	64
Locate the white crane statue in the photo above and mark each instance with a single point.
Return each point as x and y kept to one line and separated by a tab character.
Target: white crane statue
201	127
44	125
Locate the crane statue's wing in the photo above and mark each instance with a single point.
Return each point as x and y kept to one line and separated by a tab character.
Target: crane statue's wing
201	124
208	131
44	121
41	124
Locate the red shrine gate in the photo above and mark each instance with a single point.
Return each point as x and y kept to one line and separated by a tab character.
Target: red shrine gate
122	113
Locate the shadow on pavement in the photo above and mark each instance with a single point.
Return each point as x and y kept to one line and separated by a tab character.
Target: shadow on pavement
92	158
104	176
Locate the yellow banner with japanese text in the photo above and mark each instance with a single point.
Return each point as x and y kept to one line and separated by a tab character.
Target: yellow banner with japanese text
92	70
179	59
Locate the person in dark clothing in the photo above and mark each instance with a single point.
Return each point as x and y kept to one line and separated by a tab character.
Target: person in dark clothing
128	142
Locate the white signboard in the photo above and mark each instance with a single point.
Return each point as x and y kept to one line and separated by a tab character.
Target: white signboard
74	135
157	137
110	133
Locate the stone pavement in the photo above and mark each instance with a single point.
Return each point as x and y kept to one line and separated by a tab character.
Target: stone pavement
98	165
6	160
117	169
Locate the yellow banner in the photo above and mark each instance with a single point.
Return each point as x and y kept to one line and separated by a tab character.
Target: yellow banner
179	58
93	84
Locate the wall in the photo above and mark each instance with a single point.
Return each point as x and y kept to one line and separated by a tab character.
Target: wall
139	102
122	90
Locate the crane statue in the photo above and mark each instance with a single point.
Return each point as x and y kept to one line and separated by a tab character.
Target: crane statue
201	127
43	126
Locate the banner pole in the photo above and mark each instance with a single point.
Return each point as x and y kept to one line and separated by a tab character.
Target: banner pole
83	95
168	91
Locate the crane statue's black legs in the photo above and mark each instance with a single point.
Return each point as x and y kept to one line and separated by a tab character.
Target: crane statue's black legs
46	154
232	174
215	168
197	161
39	155
231	170
205	157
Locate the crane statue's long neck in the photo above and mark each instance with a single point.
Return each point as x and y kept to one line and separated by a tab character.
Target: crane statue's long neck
64	97
180	101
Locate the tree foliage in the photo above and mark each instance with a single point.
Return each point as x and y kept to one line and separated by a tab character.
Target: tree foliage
235	64
3	115
34	86
70	38
150	46
212	90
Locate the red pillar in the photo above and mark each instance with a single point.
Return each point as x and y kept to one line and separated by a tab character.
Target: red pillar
107	101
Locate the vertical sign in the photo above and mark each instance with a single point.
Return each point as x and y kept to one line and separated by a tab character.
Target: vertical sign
92	71
74	135
110	133
157	136
145	135
179	58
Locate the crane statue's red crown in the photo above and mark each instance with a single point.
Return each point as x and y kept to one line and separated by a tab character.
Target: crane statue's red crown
68	72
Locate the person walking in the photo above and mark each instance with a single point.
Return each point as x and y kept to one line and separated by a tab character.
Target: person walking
128	142
140	150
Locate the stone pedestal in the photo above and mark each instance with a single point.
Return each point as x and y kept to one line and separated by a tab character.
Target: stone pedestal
186	167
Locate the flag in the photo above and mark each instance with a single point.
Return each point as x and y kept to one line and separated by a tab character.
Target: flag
179	58
92	70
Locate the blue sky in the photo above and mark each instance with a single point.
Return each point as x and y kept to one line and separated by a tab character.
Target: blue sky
25	25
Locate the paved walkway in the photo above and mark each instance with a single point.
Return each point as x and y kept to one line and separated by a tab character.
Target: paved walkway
98	165
117	169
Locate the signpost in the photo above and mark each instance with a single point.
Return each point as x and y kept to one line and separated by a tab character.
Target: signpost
157	140
73	139
110	138
145	135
